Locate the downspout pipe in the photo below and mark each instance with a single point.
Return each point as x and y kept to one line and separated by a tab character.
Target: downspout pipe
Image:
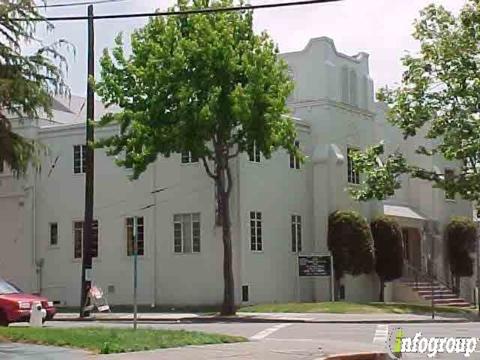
155	279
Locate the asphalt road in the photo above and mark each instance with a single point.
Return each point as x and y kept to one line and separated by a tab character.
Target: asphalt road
268	341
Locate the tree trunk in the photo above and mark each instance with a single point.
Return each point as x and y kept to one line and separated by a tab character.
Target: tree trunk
382	291
336	288
457	285
223	201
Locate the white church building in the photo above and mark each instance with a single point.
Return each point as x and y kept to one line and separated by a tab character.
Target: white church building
279	208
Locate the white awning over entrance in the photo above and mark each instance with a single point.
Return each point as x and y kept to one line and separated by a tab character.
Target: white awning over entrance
401	211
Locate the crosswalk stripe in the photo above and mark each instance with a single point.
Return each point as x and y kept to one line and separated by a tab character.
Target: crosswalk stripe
381	334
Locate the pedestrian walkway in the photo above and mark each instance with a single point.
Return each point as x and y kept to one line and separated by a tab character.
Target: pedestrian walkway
17	351
271	317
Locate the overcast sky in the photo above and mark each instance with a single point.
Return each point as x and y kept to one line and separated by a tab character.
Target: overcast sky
381	28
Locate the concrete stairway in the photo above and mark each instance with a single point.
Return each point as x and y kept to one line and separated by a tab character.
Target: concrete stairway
442	295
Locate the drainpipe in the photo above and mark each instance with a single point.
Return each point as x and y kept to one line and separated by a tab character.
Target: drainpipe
154	301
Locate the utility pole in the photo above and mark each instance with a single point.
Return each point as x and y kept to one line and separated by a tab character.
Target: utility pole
477	282
89	172
135	264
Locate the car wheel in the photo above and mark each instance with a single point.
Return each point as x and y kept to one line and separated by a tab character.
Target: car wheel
3	319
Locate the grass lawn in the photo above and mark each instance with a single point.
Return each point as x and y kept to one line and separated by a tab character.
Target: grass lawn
342	307
106	341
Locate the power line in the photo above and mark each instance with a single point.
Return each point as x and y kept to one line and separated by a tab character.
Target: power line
180	12
78	4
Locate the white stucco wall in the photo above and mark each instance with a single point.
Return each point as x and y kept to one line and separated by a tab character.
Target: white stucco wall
327	124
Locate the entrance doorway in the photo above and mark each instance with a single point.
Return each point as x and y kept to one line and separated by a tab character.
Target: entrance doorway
412	250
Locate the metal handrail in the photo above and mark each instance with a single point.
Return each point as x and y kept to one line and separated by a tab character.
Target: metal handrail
418	274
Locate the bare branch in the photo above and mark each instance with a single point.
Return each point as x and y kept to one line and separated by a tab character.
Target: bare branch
235	154
207	169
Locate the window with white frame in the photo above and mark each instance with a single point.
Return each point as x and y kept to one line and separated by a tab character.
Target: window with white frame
79	159
186	233
449	176
129	222
78	239
295	161
188	158
254	153
296	233
353	176
256	231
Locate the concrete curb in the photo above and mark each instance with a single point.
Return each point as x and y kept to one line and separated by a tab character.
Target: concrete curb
260	320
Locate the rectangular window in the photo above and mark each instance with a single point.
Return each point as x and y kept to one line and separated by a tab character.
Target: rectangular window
188	158
294	161
254	153
53	234
256	231
353	176
78	239
186	233
449	176
140	236
296	233
79	159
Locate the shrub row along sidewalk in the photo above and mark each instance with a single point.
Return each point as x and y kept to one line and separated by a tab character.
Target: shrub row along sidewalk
105	341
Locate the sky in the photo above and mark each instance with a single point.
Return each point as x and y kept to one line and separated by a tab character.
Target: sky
382	28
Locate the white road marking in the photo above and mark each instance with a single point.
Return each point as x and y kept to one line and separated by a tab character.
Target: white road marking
292	340
267	332
381	334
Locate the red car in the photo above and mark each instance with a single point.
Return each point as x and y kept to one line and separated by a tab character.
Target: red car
15	305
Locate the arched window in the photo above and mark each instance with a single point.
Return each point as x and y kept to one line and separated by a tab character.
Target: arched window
344	85
353	88
365	92
291	75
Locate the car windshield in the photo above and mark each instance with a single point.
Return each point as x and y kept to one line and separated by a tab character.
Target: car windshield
7	288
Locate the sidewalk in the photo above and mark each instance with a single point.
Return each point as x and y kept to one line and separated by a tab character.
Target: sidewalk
272	318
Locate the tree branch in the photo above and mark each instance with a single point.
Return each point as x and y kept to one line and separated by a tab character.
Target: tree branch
229	177
235	154
207	169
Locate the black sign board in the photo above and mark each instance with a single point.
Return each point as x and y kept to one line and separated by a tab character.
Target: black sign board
314	265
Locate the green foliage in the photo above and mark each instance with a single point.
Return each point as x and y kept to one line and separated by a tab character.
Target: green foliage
201	83
382	174
351	243
388	243
108	340
438	94
460	236
27	82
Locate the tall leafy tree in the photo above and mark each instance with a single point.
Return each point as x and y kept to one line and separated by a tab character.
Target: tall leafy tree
460	237
27	82
202	83
388	243
439	95
350	241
